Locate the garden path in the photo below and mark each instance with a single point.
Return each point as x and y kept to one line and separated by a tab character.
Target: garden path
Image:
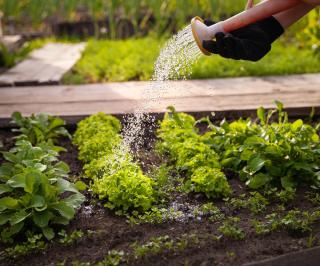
46	65
223	96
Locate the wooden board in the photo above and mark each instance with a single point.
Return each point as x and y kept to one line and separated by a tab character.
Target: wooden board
46	65
217	95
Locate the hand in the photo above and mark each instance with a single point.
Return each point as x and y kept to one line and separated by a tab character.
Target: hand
251	43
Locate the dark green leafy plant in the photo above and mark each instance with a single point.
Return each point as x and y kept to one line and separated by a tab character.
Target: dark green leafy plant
281	154
34	193
229	228
39	128
34	243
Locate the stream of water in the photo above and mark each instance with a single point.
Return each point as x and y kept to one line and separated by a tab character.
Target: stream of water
174	63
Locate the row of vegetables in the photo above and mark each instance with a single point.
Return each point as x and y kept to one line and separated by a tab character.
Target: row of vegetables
37	195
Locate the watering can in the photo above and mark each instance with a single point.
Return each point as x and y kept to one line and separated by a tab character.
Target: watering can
252	14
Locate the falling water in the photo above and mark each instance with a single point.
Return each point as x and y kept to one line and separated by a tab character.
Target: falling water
174	63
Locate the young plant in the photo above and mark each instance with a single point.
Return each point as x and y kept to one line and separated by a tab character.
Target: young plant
115	177
210	181
39	128
229	228
34	193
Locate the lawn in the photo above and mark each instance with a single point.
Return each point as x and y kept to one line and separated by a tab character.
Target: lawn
133	59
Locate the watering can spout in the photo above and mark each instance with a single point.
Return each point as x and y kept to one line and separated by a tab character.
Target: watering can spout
202	32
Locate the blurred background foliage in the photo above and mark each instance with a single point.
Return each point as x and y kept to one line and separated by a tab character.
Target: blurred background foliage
142	27
152	15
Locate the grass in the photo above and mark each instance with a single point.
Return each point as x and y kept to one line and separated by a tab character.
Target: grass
133	59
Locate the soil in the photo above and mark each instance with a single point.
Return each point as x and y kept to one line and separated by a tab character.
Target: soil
114	232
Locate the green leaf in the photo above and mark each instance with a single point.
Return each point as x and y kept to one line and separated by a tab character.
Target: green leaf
41	219
287	182
4	188
48	232
37	202
258	181
64	186
80	185
40	167
19	217
279	105
75	200
261	113
12	230
64	209
17	181
17	118
8	203
9	156
297	125
30	181
5	217
56	122
255	164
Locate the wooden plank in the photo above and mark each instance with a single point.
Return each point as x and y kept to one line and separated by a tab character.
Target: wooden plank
46	65
307	84
238	94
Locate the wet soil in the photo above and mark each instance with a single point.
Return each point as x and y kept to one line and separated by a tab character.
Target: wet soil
114	232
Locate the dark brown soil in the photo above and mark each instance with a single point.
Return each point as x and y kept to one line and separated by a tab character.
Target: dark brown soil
114	232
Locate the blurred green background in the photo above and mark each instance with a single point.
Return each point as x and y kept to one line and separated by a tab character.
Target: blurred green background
125	36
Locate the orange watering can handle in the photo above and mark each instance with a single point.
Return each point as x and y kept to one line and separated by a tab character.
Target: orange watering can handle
259	12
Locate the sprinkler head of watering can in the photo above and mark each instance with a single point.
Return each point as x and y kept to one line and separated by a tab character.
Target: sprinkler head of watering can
202	32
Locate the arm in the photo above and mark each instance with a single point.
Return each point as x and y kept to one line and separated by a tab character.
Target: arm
289	17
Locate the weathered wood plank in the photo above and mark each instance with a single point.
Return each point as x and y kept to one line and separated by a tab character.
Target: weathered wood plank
238	94
46	65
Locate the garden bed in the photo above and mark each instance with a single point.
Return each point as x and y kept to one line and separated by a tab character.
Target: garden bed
192	235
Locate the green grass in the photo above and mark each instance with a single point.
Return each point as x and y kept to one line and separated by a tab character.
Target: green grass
133	59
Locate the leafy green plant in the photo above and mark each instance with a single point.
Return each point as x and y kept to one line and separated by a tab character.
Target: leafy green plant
34	193
39	128
113	258
211	181
229	228
34	243
94	124
297	222
180	138
115	177
127	188
68	239
257	203
270	153
158	245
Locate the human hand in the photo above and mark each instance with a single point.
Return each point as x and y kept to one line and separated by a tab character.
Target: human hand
251	43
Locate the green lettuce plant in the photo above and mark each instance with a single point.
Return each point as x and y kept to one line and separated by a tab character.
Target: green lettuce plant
116	179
